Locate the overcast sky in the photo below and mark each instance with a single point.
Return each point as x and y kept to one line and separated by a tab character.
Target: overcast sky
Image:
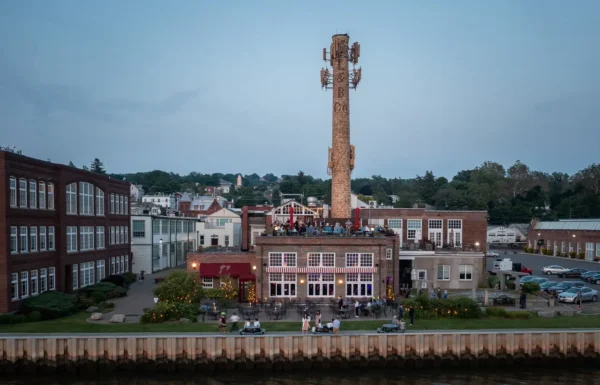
234	87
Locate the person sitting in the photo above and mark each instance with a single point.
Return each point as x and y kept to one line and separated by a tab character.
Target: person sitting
256	324
402	325
395	321
247	324
329	325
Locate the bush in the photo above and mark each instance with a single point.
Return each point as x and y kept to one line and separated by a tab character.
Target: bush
511	285
453	307
164	312
581	255
528	249
106	305
12	319
493	281
50	305
180	287
572	254
98	296
129	277
105	290
117	280
531	287
214	294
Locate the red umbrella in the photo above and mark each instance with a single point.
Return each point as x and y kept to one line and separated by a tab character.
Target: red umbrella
291	216
356	219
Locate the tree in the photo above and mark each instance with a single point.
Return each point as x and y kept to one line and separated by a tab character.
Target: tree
230	292
98	167
589	178
519	175
180	287
72	165
252	293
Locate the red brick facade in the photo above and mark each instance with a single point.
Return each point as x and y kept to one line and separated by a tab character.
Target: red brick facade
564	242
186	210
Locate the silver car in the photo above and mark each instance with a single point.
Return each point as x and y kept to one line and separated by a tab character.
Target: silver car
570	296
554	269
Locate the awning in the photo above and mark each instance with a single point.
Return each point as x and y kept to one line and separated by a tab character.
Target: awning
339	270
235	270
248	277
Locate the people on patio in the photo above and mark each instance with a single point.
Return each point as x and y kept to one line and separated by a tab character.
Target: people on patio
305	323
256	323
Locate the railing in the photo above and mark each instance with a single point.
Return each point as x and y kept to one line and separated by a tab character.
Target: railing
331	232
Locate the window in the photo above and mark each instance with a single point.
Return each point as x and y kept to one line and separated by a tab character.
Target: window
14	286
86	238
563	247
112	265
126	234
578	247
121	211
597	250
156	227
139	229
42	196
33	239
227	241
359	285
321	259
435	223
122	270
422	275
72	198
222	221
443	272
454	232
52	278
207	283
282	284
359	260
112	236
24	284
282	259
395	223
121	234
13	193
33	198
321	285
413	227
51	238
126	206
87	274
465	272
75	276
23	193
34	282
112	203
164	226
589	251
100	270
14	235
43	280
100	237
50	196
71	239
86	198
43	238
202	240
127	263
23	239
99	202
388	254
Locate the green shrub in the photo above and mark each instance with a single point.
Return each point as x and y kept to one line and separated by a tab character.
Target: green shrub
496	312
453	307
519	315
493	281
108	289
572	254
164	312
50	305
214	294
180	287
510	285
106	305
545	251
581	255
34	316
12	319
530	287
98	296
129	277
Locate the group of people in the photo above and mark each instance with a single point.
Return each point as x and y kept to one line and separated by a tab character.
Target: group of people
317	227
233	320
333	326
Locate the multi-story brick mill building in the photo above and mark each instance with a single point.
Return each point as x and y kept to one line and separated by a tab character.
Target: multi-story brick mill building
61	228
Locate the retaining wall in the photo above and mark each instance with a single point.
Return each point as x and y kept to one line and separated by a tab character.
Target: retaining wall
169	353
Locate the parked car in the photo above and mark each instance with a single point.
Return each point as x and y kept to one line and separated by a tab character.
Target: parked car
527	270
553	269
539	280
589	274
572	273
587	294
492	254
528	278
564	286
546	285
594	279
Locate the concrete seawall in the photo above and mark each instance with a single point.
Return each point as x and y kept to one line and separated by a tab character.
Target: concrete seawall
170	353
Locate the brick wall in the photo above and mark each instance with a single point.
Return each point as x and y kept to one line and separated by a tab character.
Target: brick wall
199	258
574	237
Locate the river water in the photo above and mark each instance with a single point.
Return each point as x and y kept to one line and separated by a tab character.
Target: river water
369	377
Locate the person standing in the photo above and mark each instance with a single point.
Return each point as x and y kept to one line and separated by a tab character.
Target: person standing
400	312
223	323
234	319
305	323
579	299
318	318
356	307
411	315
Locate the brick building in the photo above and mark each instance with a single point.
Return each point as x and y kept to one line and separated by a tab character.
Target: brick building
61	228
566	237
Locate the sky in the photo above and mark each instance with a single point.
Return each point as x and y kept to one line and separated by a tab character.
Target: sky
233	86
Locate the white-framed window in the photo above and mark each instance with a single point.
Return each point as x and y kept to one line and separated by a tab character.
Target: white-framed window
14	286
126	234
321	285
112	203
100	237
282	284
121	208
51	278
395	224
227	241
321	260
597	250
126	263
389	253
43	243
99	202
71	239
23	193
50	196
570	247
156	227
122	270
126	206
43	280
578	247
86	270
121	234
33	198
75	276
359	259
33	239
86	198
413	229
100	274
71	193
13	193
23	239
282	259
422	275
563	247
465	272
112	265
24	284
14	240
207	283
454	232
33	282
51	243
435	231
359	285
112	235
589	251
443	272
138	228
86	238
435	224
42	195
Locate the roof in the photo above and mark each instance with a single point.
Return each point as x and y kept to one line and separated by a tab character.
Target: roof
185	197
570	224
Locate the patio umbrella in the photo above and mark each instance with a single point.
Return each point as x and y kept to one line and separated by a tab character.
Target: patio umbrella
291	216
356	219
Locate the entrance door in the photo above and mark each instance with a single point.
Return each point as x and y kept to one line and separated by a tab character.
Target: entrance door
405	270
214	240
436	238
244	288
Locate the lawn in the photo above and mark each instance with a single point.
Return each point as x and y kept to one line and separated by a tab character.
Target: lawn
78	324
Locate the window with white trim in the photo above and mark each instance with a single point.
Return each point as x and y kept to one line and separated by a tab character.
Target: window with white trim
71	193
23	193
23	240
126	206
33	198
227	241
86	238
435	231
138	228
86	198
43	280
33	239
207	283
13	192
71	239
282	284
100	274
24	284
589	251
454	232
321	285
465	272
99	202
321	260
122	264
42	196
43	243
121	208
75	276
14	240
33	281
422	275
443	272
50	196
121	234
112	203
51	243
112	265
282	259
413	226
389	253
126	234
14	286
100	237
395	224
597	250
359	259
86	271
127	263
563	247
359	285
112	235
51	278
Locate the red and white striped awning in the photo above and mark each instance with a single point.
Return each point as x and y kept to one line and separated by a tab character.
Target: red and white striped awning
339	270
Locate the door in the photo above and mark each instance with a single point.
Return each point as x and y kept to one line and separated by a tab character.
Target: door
405	271
214	240
436	238
244	288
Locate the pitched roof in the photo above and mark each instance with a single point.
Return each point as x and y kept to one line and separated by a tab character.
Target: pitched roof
185	197
570	224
